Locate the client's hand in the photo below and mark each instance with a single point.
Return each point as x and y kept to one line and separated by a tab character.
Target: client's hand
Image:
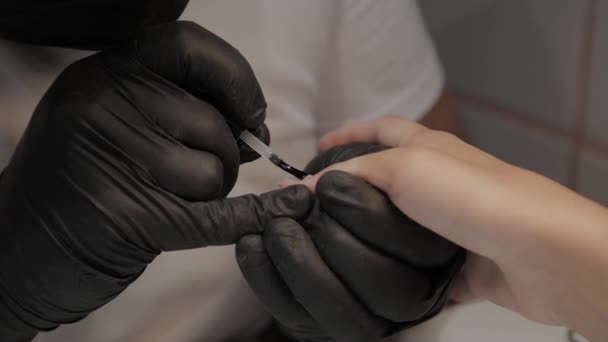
356	269
536	247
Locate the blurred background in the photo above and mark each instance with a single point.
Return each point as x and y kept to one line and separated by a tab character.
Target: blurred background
531	81
530	78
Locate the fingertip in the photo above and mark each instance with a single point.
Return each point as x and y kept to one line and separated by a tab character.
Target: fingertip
250	251
310	182
326	142
249	107
333	139
293	201
300	193
281	230
258	117
339	186
279	224
252	242
336	179
283	236
192	175
377	169
218	184
262	132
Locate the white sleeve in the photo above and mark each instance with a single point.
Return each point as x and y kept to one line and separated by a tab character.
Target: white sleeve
380	61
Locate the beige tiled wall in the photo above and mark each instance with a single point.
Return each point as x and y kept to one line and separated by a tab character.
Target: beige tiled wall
531	80
597	123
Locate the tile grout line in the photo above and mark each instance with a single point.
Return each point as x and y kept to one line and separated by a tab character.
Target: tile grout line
582	95
517	116
525	119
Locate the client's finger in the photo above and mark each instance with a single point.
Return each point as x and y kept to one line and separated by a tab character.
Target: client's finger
390	131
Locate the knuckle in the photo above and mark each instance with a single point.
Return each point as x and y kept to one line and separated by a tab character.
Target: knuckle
184	33
251	244
392	120
250	251
283	228
402	164
213	170
284	238
433	138
415	155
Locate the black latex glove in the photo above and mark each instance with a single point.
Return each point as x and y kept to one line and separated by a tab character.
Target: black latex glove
82	23
123	159
356	269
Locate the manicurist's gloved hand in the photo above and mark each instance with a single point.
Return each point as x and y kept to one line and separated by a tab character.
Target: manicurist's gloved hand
82	23
127	155
356	269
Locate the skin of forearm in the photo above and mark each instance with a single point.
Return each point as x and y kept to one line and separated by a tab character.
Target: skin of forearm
586	309
574	253
585	304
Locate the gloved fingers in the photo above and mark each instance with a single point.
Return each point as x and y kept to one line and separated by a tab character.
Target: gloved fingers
171	111
193	175
372	217
191	121
271	290
248	154
178	169
90	24
224	222
316	287
206	66
340	154
389	288
390	131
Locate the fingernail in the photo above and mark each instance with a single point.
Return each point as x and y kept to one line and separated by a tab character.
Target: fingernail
289	182
310	182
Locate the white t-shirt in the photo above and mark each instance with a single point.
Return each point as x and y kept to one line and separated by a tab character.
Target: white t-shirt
321	64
